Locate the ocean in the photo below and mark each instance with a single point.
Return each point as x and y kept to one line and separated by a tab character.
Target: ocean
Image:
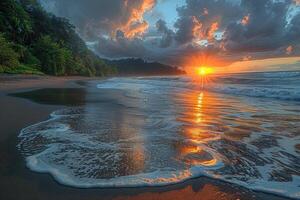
155	131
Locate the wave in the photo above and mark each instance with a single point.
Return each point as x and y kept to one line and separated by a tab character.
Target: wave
169	131
73	158
287	74
291	94
79	159
262	85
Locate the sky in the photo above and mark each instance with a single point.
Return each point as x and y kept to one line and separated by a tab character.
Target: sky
234	35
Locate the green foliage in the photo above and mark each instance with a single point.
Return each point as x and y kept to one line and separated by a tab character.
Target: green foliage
30	60
26	56
102	69
44	42
8	57
15	21
23	69
54	58
133	66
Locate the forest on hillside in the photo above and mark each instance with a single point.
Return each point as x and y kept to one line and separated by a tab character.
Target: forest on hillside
36	42
137	66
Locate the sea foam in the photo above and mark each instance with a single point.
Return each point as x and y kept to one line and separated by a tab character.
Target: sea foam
161	131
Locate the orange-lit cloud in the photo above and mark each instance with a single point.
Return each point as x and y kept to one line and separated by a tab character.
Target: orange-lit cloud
212	30
222	46
246	58
245	20
289	50
94	18
135	25
297	2
200	32
134	30
197	28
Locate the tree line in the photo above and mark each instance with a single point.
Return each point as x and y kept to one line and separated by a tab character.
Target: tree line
34	41
140	67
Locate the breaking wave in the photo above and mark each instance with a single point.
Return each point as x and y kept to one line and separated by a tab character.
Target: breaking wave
157	131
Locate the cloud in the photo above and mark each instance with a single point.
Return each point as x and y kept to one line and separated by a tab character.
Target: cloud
265	31
297	2
245	20
289	50
103	17
120	47
167	34
199	20
249	28
228	30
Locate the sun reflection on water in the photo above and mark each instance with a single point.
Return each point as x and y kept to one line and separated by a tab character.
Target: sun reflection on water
199	115
197	118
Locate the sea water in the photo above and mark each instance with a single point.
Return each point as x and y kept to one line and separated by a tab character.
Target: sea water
153	131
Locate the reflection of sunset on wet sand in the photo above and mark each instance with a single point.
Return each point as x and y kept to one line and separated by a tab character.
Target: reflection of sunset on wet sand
199	115
207	192
205	120
155	134
196	119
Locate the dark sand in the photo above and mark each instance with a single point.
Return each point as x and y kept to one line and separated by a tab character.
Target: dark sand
18	182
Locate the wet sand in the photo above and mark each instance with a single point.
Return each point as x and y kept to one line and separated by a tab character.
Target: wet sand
18	182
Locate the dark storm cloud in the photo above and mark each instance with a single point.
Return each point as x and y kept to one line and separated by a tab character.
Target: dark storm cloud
294	29
266	30
197	17
269	31
114	29
260	28
229	29
120	47
167	34
97	17
90	17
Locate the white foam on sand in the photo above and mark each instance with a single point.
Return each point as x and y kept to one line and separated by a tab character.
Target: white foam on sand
54	158
97	146
161	177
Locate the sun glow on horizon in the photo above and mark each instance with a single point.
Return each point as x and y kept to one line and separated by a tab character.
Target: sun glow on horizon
202	74
203	70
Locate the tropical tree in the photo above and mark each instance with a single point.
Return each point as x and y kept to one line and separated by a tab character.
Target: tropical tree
15	21
8	57
54	58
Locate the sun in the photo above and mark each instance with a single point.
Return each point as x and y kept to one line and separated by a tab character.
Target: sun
203	71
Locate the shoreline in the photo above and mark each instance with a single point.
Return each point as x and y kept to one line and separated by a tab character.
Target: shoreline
18	182
16	83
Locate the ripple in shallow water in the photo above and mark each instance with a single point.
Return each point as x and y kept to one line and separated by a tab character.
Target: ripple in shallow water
136	137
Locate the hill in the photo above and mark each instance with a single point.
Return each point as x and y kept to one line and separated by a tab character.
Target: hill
34	41
136	66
